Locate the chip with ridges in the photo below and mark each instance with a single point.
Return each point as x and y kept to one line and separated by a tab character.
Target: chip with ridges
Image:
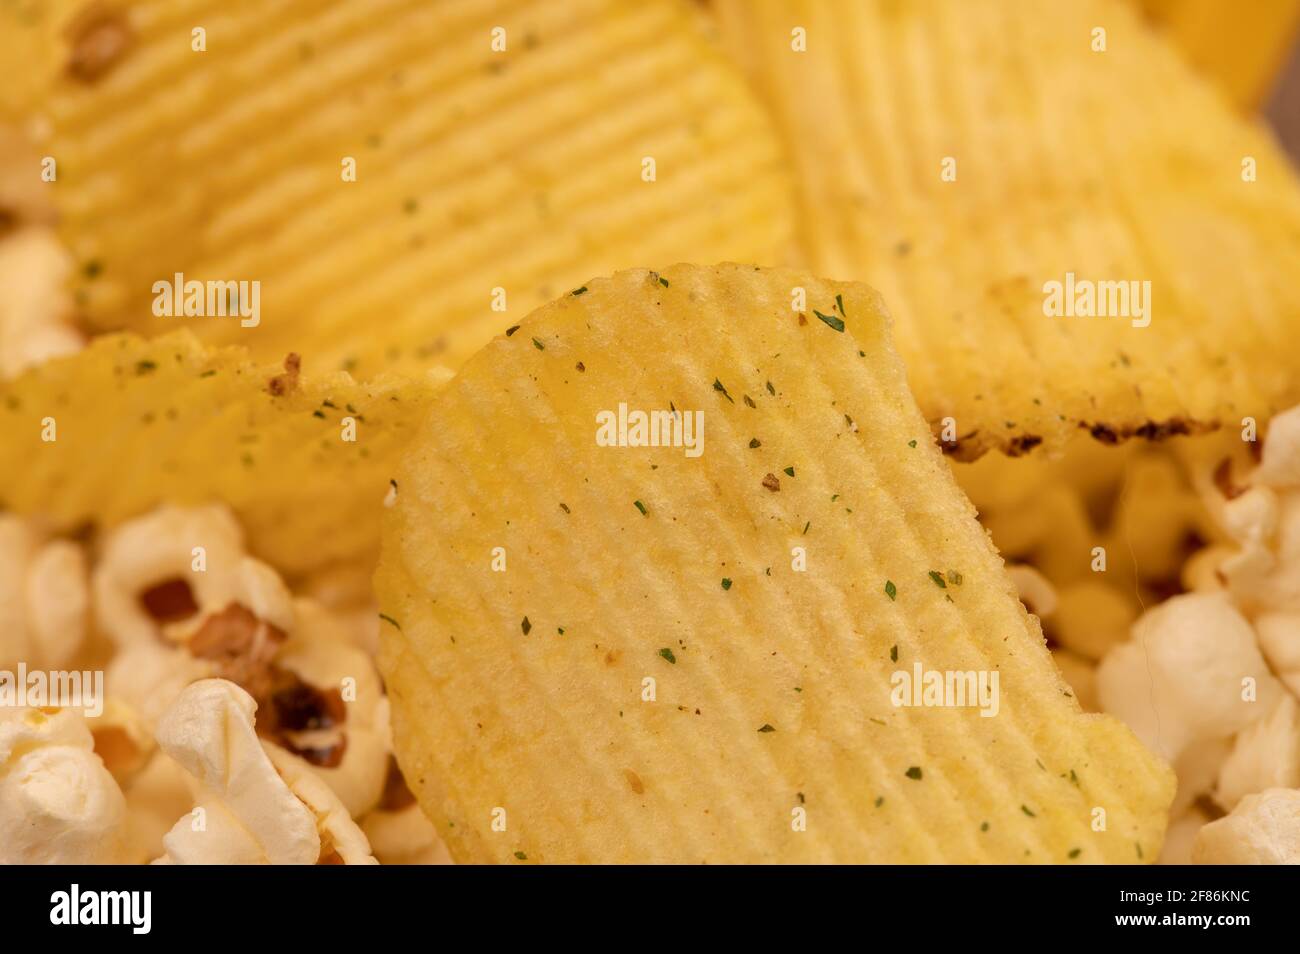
304	461
603	646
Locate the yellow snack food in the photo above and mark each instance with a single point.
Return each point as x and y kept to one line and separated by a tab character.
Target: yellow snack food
403	178
607	641
304	461
1066	221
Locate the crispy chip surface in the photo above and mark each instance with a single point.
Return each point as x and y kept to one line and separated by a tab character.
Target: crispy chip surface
962	156
127	424
492	171
630	653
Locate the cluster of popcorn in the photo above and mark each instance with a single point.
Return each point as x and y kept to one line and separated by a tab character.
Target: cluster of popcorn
1210	678
242	724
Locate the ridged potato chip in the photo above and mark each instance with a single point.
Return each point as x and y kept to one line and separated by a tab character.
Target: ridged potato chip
658	568
304	461
403	178
999	170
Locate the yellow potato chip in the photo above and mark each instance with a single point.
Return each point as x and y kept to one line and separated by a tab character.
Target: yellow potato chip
660	565
1072	229
403	178
1241	45
304	461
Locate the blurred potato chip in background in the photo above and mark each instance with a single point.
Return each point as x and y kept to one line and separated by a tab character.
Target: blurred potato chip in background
391	171
106	434
1241	45
962	156
683	690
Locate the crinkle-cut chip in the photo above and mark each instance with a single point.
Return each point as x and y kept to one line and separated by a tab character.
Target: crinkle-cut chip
1115	166
1243	46
524	714
135	423
484	180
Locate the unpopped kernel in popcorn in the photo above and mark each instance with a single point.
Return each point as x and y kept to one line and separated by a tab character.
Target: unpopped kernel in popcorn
1264	829
245	814
1265	755
58	804
44	597
1192	672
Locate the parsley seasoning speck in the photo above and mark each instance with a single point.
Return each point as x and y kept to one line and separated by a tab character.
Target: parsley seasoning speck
663	281
391	622
754	442
726	583
92	269
717	386
1075	852
579	291
640	506
766	727
144	367
1025	809
880	800
938	579
911	443
914	773
954	578
836	324
839	303
789	471
749	401
538	345
667	653
984	827
893	653
511	330
771	390
890	589
526	626
521	856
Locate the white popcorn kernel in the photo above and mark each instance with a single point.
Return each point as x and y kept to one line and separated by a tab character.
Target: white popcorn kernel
1280	464
36	307
58	804
1180	837
1279	639
1036	592
1263	829
1264	755
342	842
43	597
260	805
1180	679
249	815
325	664
1197	769
158	548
